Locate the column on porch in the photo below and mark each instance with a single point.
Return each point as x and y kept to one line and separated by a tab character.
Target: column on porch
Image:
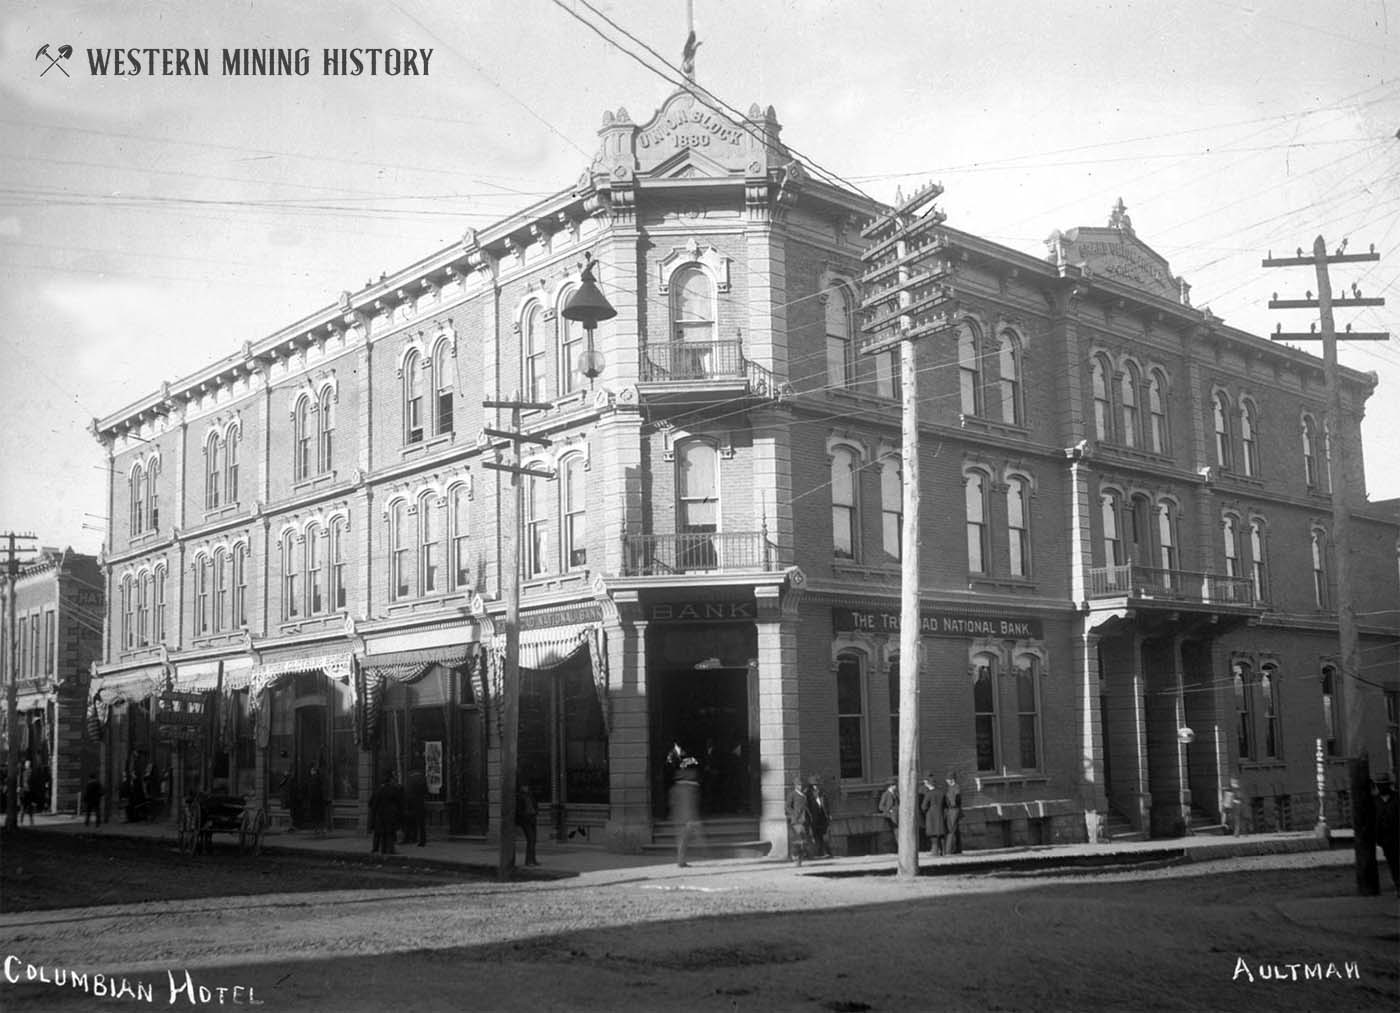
629	730
779	734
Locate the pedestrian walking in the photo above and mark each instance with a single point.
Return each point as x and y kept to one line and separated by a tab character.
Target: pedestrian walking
385	810
526	818
799	819
821	818
92	800
888	807
1232	808
952	814
29	793
685	806
1388	826
415	793
935	824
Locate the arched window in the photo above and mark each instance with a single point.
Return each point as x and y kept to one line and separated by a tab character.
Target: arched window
1166	538
443	388
1329	709
1112	539
1244	716
1311	466
1258	568
1220	414
335	560
302	437
429	545
136	485
239	617
128	612
212	472
975	498
839	358
315	570
399	548
231	465
570	347
969	371
697	504
1028	710
1099	372
1009	378
291	576
158	607
1128	395
891	509
1018	531
573	510
984	707
1319	567
843	503
325	431
461	537
692	306
414	424
537	540
218	615
1249	449
1268	692
143	610
851	715
201	595
1157	410
1232	549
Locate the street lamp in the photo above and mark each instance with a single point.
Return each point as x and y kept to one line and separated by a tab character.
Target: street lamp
589	306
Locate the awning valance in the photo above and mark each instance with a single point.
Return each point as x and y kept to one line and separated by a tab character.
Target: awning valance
335	666
135	685
548	648
405	666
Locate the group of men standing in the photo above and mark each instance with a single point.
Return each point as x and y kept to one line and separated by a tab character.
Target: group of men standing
940	809
808	819
393	806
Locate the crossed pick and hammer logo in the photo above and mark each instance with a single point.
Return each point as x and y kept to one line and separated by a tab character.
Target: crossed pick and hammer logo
64	52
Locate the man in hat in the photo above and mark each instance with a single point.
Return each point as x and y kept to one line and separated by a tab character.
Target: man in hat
889	809
1388	825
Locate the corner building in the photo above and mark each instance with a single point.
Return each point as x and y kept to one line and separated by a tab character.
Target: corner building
310	547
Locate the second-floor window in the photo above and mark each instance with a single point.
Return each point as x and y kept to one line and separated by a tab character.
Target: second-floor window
158	606
143	610
1312	454
1157	413
219	614
429	546
1258	565
1108	519
1099	373
571	338
238	618
291	576
537	547
697	504
202	567
1319	568
573	512
1128	395
399	552
1018	526
692	306
460	521
1249	439
335	559
891	510
975	497
1166	537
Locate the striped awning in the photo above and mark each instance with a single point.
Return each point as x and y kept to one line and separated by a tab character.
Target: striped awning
548	648
405	666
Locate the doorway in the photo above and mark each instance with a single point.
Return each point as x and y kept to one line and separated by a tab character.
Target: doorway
706	712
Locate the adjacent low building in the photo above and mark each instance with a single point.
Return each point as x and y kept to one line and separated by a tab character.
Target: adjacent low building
1125	528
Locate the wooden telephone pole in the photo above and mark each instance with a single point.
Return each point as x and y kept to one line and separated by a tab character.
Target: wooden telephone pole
904	300
12	563
1367	875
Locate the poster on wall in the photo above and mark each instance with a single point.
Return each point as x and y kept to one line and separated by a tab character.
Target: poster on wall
432	757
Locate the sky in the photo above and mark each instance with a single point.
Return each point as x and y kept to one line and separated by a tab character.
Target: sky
150	225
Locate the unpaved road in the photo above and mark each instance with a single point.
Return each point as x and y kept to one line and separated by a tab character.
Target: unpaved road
733	936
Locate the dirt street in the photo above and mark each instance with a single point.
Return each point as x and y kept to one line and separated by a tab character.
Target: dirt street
719	936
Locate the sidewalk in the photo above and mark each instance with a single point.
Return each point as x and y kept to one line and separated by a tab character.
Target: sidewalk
568	859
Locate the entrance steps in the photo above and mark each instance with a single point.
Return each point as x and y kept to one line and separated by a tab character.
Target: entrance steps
722	837
1119	829
1204	824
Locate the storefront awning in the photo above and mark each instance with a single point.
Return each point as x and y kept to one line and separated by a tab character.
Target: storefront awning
548	648
405	666
201	676
260	677
134	685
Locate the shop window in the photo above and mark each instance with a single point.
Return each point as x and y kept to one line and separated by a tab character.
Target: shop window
843	503
1242	678
1268	697
1392	729
345	754
1009	380
1028	710
850	716
585	740
891	509
839	359
984	707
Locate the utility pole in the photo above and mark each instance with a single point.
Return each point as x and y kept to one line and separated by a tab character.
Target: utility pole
903	294
510	678
1358	766
12	561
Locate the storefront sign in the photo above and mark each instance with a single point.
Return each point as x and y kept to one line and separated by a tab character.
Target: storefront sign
174	696
702	611
939	624
561	617
432	760
178	733
180	718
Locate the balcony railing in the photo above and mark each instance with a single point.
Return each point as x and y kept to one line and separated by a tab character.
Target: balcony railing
689	361
1145	582
661	555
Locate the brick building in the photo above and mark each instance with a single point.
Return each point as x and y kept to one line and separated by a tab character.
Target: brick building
306	547
59	609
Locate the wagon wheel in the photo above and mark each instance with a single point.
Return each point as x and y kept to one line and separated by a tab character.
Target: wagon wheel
188	833
250	832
